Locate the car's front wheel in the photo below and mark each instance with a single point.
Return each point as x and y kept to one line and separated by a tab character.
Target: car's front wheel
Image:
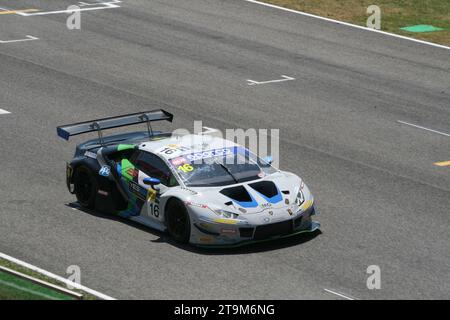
178	222
85	187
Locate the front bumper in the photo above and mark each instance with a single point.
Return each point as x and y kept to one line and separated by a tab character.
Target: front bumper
229	235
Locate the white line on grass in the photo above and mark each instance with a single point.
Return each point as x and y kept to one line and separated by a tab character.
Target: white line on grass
348	24
37	293
41	282
56	277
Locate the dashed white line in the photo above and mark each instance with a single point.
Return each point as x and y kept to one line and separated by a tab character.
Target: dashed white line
4	111
339	294
423	128
28	38
284	78
347	24
96	6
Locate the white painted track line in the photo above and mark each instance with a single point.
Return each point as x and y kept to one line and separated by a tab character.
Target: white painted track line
4	111
98	6
423	128
284	79
347	24
339	294
56	277
28	38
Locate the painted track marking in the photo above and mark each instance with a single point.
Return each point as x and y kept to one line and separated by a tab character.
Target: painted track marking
4	111
442	164
86	7
347	24
28	38
339	294
6	11
423	128
255	83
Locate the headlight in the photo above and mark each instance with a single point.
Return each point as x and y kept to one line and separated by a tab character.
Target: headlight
300	197
226	214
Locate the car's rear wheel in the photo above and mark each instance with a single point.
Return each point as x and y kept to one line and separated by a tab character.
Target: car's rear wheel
85	187
178	222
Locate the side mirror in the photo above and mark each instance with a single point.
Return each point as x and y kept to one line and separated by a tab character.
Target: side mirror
268	159
151	181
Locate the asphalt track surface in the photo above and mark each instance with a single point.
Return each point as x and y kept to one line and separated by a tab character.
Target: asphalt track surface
382	201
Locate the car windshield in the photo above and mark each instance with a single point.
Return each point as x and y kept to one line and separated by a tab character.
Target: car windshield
220	167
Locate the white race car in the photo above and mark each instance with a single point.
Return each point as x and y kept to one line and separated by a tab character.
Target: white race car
201	188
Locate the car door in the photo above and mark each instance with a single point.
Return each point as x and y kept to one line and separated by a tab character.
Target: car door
150	165
131	182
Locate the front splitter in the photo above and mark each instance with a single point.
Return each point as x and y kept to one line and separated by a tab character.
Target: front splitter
314	227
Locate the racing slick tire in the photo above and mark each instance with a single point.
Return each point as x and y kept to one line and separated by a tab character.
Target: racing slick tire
85	187
178	222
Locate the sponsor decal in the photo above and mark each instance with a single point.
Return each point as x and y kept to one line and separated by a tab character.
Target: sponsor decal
225	221
228	231
189	190
266	205
290	212
103	193
206	239
151	195
178	161
105	171
209	154
171	149
90	154
199	205
271	213
136	190
133	172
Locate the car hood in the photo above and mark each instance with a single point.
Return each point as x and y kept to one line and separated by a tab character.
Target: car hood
277	191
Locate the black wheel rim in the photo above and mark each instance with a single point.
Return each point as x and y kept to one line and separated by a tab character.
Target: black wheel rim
178	224
84	187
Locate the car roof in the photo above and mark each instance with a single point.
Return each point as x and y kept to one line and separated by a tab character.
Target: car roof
177	145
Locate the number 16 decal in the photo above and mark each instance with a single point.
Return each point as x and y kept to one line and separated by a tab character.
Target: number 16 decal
154	209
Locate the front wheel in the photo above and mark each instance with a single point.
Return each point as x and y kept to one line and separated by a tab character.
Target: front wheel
178	222
85	187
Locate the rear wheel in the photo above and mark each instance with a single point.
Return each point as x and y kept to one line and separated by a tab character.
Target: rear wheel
85	187
178	222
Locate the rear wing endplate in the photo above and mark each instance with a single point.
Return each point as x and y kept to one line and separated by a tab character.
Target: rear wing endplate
98	125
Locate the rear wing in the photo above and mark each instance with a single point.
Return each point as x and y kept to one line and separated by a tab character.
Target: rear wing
98	125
